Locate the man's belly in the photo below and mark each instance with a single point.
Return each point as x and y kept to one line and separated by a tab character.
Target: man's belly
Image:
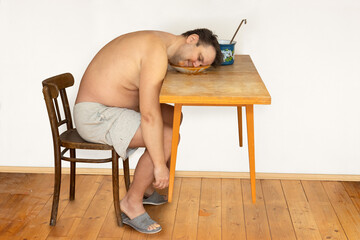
118	97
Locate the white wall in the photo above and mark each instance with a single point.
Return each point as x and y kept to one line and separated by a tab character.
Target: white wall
307	53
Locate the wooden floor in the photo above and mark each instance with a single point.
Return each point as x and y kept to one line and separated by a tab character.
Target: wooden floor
202	209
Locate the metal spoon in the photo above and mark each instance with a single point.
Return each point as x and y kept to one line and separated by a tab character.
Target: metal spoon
244	20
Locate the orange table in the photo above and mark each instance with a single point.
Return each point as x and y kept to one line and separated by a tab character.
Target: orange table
237	85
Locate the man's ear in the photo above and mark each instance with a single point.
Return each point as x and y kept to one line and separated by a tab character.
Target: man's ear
193	38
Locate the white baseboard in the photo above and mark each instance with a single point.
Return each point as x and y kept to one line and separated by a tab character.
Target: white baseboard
194	174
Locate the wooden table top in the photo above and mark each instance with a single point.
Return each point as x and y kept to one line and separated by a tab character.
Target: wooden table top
235	84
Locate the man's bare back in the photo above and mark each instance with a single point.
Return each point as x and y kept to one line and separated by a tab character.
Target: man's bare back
113	76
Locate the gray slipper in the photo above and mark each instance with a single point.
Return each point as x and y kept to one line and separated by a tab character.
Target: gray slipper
140	223
154	199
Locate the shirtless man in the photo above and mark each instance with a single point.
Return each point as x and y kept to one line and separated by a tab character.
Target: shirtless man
118	104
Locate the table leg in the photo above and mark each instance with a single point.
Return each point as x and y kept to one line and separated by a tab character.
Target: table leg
174	146
251	146
239	114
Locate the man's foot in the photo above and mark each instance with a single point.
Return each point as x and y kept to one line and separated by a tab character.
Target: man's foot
132	210
149	191
155	199
142	223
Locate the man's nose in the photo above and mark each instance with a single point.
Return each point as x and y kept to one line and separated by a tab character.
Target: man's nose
196	63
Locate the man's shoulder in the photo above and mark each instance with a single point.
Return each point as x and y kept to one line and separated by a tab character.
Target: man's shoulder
154	49
154	43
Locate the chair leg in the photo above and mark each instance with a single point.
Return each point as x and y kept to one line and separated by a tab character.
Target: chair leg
57	183
126	173
115	181
72	175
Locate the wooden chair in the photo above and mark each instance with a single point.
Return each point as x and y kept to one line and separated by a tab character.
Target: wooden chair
70	140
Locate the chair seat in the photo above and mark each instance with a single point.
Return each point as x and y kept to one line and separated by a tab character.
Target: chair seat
71	139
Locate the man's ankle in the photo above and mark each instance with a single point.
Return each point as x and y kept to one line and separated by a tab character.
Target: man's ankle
133	199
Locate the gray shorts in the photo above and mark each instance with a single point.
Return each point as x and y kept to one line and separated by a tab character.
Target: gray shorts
108	125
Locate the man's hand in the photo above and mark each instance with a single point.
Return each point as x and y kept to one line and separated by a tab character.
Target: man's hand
161	174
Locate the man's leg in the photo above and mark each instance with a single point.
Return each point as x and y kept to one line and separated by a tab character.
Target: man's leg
167	115
132	204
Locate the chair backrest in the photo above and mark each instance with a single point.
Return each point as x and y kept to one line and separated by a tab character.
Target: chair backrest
51	89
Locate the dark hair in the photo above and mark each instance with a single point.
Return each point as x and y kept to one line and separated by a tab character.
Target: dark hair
207	37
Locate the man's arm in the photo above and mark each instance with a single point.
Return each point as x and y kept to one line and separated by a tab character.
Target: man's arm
153	70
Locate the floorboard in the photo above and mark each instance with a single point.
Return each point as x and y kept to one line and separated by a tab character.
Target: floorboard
202	208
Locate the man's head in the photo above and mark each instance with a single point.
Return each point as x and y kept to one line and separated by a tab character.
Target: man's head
201	48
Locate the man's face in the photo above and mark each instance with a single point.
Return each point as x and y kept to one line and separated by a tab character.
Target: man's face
190	55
